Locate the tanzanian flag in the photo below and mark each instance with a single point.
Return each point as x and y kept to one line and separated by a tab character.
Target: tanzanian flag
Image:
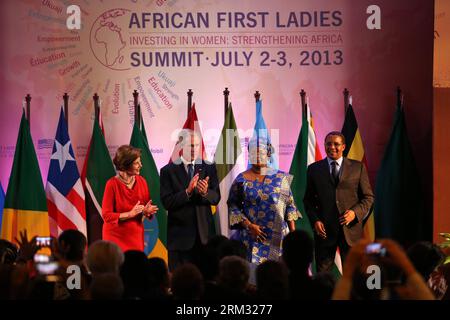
25	201
155	230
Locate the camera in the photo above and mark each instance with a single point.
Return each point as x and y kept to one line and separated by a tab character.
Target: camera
393	275
46	267
376	249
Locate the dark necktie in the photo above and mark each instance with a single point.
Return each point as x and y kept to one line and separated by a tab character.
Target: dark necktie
335	171
190	171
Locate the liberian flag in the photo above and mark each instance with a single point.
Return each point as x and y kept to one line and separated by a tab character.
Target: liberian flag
65	194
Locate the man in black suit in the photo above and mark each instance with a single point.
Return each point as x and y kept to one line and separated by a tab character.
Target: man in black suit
189	187
338	197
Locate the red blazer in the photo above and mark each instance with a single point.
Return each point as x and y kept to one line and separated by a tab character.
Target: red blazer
128	234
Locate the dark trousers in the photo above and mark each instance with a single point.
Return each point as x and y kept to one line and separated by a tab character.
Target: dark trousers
325	251
179	257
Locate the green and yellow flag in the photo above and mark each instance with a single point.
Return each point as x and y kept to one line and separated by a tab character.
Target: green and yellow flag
25	201
155	234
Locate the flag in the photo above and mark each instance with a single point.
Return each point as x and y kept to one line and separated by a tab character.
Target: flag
25	201
260	131
399	206
155	230
191	123
2	202
97	170
228	160
306	152
355	150
65	194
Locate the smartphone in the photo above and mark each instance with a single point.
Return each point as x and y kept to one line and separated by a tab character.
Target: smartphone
376	249
44	241
47	268
41	258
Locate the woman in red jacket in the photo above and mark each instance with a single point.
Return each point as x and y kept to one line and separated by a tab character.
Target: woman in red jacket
126	202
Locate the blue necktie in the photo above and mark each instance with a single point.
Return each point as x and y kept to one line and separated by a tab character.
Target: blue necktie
190	171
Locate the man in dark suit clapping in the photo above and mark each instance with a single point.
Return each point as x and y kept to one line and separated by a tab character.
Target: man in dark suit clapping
338	197
189	187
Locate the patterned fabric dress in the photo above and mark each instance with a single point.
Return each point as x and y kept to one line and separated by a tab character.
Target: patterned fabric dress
270	205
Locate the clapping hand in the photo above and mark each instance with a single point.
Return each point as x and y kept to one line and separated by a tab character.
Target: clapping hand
150	210
202	186
192	184
137	210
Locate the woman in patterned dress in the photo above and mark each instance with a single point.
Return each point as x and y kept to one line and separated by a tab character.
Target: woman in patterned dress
261	205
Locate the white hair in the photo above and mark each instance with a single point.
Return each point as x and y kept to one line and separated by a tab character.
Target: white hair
104	257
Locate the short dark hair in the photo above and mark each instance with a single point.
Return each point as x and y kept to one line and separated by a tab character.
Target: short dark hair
158	272
425	256
8	252
76	241
335	133
298	250
187	282
272	280
125	156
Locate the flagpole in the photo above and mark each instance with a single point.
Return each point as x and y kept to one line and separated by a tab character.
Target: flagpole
226	93
66	109
399	97
28	102
137	116
257	96
346	100
96	107
189	101
303	102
